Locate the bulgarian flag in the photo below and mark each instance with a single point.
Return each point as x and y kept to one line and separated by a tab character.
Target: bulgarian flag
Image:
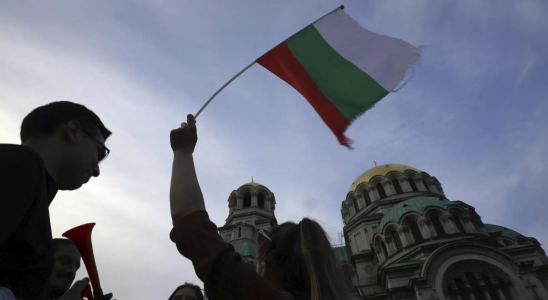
341	68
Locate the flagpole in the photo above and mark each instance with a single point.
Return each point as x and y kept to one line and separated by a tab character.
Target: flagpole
222	88
255	61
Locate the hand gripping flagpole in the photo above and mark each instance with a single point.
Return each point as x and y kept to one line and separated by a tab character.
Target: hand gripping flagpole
255	61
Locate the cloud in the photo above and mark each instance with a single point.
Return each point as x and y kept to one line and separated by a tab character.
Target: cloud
472	115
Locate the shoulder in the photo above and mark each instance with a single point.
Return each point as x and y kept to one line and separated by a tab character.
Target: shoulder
19	155
19	162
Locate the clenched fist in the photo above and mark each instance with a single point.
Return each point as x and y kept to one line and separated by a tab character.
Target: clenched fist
75	292
184	139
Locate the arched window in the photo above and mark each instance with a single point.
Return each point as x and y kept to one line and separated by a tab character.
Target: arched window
228	237
384	251
239	231
437	226
490	289
465	282
413	185
397	186
505	288
260	200
366	197
478	295
426	185
380	189
461	289
232	202
396	237
458	224
247	199
415	231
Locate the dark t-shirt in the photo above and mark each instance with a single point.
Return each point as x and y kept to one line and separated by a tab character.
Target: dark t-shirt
26	191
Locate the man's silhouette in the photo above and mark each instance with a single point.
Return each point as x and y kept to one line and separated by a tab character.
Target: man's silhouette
62	145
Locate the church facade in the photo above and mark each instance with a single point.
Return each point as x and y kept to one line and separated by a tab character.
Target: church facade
407	240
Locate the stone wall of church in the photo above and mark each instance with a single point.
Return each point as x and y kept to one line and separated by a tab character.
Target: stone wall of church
366	272
359	240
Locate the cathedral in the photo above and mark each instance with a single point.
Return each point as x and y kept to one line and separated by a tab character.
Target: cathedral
404	239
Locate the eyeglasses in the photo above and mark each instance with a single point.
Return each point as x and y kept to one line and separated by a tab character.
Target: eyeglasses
102	153
263	233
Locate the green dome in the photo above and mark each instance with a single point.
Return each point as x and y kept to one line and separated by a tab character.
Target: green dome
504	232
416	204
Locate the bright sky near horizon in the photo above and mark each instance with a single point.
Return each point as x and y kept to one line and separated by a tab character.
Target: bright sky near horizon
473	115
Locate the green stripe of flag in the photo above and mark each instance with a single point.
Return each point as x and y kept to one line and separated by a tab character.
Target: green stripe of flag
350	89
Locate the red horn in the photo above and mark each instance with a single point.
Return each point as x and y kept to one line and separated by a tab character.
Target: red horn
86	293
81	236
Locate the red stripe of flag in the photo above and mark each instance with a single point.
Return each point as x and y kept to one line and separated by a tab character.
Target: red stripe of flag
281	62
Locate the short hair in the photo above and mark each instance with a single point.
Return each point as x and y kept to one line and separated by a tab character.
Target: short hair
197	290
44	119
61	242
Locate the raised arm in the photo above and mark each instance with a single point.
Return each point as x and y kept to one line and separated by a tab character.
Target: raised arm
217	264
185	195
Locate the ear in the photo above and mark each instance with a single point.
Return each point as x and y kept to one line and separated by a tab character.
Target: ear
71	130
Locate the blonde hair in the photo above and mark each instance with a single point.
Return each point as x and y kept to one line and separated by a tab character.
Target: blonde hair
301	260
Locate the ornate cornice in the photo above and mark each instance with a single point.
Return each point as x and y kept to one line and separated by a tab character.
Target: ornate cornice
408	256
365	255
238	213
229	227
362	213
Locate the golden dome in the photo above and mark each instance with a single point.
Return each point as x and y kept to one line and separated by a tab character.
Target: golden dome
381	170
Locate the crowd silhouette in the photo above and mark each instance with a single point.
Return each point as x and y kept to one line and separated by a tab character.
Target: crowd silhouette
62	145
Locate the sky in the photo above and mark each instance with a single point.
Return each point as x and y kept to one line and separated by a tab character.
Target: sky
473	115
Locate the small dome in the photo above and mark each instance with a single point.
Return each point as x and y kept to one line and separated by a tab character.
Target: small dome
417	204
381	170
255	184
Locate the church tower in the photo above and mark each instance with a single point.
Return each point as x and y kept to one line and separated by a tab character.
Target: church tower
251	208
